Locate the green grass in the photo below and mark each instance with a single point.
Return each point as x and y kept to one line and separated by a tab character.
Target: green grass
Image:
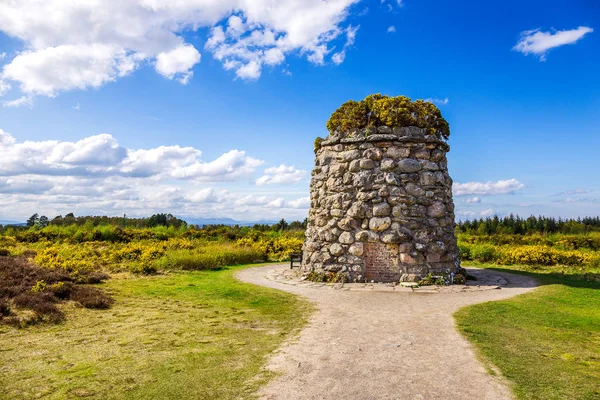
546	342
187	335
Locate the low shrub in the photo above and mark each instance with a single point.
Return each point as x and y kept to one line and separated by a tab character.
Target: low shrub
90	297
465	251
29	253
4	309
42	303
483	253
62	290
209	258
541	255
276	248
96	277
29	293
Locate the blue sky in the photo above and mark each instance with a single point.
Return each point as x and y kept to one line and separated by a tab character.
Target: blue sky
208	110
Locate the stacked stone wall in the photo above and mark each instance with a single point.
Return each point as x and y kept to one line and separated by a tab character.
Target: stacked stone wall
381	207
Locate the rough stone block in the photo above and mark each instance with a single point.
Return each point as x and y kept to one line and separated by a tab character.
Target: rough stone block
378	224
408	165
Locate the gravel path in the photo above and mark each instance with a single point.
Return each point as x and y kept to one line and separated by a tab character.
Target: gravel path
383	344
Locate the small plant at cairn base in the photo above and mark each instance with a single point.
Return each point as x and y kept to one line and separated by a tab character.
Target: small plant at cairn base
434	280
327	277
395	112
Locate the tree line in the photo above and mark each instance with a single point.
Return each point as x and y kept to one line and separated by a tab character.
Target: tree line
70	219
166	220
520	226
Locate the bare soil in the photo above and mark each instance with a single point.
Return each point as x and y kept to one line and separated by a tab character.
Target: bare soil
378	344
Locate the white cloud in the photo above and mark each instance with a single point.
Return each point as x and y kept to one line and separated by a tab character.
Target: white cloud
235	26
539	43
281	175
4	87
434	100
178	62
487	213
250	71
277	203
339	57
76	107
81	45
473	200
22	196
3	55
66	67
231	166
207	195
21	101
102	156
302	203
477	214
96	175
391	29
508	186
390	4
572	192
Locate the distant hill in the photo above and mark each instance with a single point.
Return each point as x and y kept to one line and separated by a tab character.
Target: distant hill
6	222
224	221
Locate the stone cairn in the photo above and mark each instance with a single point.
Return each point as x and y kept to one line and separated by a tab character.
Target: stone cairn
381	207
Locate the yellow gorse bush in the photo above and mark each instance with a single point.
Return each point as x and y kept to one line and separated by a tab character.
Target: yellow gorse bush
528	255
146	256
276	249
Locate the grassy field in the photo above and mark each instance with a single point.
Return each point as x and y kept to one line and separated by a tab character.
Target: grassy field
546	342
182	335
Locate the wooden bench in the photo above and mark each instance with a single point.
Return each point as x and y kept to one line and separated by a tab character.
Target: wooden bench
295	257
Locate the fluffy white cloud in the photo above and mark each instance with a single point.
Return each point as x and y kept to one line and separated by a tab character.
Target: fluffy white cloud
301	203
487	188
21	101
473	200
231	166
391	29
78	45
102	156
178	62
477	214
339	57
50	70
4	87
538	42
281	175
208	195
96	175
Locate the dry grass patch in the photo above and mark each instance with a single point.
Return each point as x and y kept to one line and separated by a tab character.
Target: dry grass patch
186	335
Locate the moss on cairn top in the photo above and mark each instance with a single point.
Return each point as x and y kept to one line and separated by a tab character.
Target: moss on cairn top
380	110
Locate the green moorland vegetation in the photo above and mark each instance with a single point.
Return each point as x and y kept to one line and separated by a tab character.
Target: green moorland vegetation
546	342
174	322
181	335
159	243
171	322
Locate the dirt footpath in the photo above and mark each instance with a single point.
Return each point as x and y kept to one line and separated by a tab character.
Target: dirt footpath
383	345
